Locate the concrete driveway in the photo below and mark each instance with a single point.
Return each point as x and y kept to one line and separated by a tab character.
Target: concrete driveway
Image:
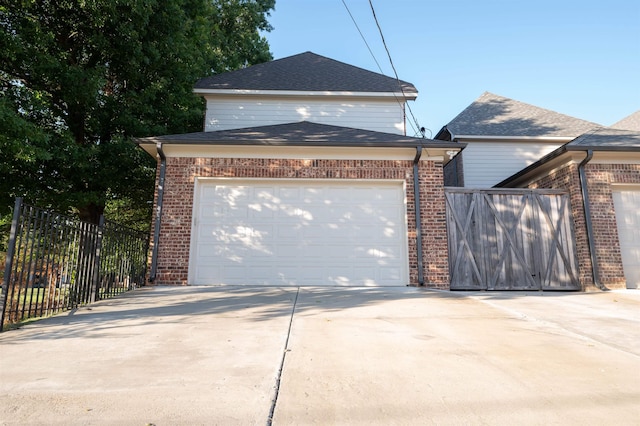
292	356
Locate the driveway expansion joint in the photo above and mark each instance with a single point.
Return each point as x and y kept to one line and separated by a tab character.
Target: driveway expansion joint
274	401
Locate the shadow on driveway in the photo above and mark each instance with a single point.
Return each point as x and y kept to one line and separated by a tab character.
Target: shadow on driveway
309	355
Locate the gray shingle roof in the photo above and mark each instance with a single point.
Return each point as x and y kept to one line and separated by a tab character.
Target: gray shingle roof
302	133
599	139
631	122
493	115
607	139
305	72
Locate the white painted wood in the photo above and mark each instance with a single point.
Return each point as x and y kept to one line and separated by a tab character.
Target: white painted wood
411	96
627	206
299	232
382	115
488	163
299	152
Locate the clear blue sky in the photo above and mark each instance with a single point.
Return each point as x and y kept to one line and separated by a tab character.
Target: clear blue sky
580	58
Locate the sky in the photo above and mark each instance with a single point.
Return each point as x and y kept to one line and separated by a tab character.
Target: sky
580	58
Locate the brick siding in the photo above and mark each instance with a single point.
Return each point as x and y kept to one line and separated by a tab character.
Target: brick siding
600	177
175	229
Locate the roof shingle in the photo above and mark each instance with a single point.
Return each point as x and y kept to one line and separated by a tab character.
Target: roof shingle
305	72
607	139
493	115
302	133
631	122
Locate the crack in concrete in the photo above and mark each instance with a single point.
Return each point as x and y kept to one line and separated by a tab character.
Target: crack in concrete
274	400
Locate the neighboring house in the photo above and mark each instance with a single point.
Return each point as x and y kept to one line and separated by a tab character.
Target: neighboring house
515	145
303	176
601	172
503	136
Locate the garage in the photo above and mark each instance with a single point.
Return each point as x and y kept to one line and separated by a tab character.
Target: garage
627	206
335	232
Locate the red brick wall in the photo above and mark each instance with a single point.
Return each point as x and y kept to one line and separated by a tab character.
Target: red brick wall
175	229
600	177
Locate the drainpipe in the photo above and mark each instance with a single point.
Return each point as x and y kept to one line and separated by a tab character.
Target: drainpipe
587	213
416	199
156	231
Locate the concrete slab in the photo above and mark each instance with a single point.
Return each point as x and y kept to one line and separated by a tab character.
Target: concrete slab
212	355
406	356
179	356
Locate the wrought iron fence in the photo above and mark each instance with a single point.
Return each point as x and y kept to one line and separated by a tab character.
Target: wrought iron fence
56	263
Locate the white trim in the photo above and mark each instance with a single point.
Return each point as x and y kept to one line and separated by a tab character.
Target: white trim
514	138
622	187
285	93
298	152
204	179
615	157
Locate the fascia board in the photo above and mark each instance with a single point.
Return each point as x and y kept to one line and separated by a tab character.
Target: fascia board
286	152
483	138
301	152
615	157
289	93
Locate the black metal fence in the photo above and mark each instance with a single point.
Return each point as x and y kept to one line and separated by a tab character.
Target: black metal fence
56	263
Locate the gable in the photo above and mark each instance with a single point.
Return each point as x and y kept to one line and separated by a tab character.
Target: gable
305	72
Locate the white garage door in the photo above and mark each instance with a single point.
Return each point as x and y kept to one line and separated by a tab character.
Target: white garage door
627	205
299	232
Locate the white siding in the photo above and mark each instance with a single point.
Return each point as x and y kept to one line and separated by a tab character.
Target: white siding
239	112
488	163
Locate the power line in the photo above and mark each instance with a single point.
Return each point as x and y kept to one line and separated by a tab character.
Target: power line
362	35
375	18
380	68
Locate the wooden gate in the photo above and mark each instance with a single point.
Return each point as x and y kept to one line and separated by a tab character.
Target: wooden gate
510	239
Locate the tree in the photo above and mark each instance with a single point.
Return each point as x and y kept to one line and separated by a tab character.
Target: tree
80	78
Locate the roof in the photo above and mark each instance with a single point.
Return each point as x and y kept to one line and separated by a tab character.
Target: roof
631	122
606	139
305	72
303	133
600	139
494	115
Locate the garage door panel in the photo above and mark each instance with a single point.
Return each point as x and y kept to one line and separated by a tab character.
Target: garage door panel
289	193
627	206
209	272
286	232
389	274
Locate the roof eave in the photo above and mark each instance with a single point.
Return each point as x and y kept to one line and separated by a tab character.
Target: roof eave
301	149
407	95
346	143
559	155
562	139
603	148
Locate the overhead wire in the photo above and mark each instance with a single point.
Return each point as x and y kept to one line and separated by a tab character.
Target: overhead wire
384	43
363	37
401	104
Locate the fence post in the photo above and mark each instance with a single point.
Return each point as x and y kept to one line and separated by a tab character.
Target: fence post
8	264
96	266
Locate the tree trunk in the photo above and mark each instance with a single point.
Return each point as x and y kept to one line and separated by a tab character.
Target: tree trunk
91	213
